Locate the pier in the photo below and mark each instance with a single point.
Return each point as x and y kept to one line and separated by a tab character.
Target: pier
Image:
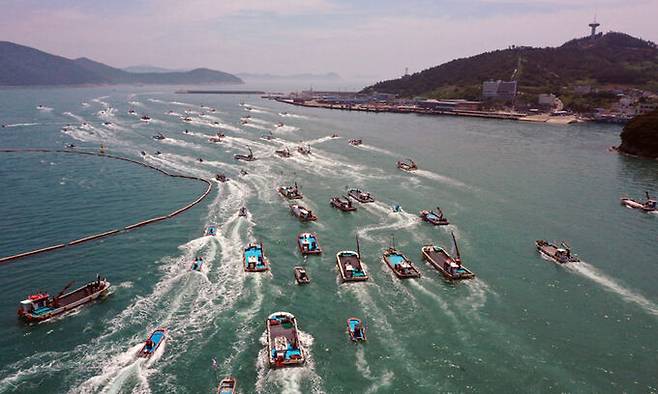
108	233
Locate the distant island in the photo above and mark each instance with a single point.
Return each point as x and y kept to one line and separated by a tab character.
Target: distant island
640	136
291	77
24	66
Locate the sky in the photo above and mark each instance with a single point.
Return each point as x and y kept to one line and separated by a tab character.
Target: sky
369	39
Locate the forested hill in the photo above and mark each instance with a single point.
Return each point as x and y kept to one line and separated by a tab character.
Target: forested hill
612	58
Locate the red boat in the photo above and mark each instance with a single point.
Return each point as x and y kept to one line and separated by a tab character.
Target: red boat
434	218
302	213
407	165
343	203
450	267
647	206
40	306
290	192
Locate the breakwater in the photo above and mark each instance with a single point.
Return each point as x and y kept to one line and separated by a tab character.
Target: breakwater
108	233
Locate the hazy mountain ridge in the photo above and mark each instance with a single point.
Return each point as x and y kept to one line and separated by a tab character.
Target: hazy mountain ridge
612	58
24	66
331	76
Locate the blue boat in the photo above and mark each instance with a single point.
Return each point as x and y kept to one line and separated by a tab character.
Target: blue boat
211	230
308	243
400	264
356	329
197	264
254	259
152	344
283	345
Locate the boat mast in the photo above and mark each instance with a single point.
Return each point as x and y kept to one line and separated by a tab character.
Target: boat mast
358	249
458	258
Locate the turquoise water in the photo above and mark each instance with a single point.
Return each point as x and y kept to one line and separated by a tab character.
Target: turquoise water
525	324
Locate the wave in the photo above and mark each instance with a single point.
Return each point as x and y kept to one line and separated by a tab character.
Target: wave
375	149
440	178
43	108
379	382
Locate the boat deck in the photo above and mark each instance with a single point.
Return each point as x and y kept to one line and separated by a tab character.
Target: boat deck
353	260
257	255
441	261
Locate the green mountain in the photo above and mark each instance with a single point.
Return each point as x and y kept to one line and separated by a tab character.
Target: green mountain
25	66
606	59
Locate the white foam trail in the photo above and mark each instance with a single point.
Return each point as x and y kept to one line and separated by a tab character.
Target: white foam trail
375	149
592	273
21	124
183	104
288	380
441	178
392	221
379	382
289	115
44	108
136	103
319	140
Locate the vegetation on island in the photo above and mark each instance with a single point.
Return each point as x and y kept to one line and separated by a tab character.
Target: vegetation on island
603	61
640	136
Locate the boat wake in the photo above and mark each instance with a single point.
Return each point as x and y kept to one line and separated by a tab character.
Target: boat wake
592	273
392	221
441	178
288	380
378	382
375	149
21	124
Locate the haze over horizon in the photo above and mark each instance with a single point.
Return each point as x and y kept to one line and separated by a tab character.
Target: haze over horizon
368	40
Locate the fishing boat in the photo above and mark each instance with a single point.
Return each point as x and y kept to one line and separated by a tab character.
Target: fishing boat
304	149
228	385
197	264
242	212
221	178
267	136
407	165
356	329
355	142
301	276
361	196
216	138
334	135
211	230
131	111
254	258
343	203
279	124
107	123
283	346
399	263
302	213
559	254
308	243
249	157
349	264
243	172
187	119
649	205
145	118
435	218
40	306
285	152
290	192
244	121
154	341
450	267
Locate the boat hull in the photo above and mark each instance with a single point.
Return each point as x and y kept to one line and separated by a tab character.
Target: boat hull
262	263
441	261
630	203
341	205
158	337
345	259
352	323
549	251
305	242
400	264
301	279
227	386
364	199
432	218
283	345
73	300
289	195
